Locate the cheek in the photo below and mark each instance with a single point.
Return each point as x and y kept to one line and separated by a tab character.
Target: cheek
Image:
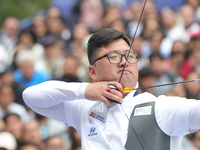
104	72
134	70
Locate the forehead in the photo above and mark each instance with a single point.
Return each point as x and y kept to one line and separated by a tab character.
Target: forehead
118	45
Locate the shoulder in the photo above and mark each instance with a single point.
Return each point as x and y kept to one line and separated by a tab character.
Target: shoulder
145	97
16	106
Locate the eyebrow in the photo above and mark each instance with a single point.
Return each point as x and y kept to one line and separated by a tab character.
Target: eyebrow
126	51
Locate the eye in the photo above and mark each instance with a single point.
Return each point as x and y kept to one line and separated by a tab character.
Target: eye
131	55
113	56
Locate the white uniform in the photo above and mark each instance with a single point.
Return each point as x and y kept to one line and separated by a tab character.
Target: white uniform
105	128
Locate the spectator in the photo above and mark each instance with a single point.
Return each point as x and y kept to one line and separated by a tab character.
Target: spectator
32	133
150	26
193	89
54	143
154	42
28	42
29	146
27	75
91	13
6	77
151	11
2	125
157	66
50	127
14	125
192	62
136	9
53	12
195	4
54	54
39	28
80	32
70	69
7	104
8	36
194	138
173	30
178	56
138	46
8	142
120	25
77	47
111	9
58	28
146	78
75	139
187	14
4	63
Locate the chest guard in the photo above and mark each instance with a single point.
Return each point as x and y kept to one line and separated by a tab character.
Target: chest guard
144	132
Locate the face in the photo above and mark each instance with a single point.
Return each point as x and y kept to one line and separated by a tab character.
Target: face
32	133
29	147
103	70
6	97
196	140
27	68
15	126
55	143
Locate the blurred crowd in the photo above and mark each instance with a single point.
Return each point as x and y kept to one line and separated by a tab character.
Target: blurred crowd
168	43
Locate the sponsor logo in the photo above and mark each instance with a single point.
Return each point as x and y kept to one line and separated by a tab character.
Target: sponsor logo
97	117
92	132
143	111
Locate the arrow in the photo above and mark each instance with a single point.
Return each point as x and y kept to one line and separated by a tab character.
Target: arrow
182	82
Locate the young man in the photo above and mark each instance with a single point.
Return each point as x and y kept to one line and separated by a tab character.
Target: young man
139	122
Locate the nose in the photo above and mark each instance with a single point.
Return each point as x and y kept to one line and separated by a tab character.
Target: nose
123	61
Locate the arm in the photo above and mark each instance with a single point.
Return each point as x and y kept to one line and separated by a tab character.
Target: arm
49	98
178	116
55	99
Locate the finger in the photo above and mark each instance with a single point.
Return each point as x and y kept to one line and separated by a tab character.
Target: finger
109	89
114	91
114	96
115	85
106	101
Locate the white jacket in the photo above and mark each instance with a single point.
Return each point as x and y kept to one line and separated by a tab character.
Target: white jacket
105	128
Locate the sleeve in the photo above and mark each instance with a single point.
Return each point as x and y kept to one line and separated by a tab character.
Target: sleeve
177	116
55	99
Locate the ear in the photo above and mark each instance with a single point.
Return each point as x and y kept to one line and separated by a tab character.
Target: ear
92	72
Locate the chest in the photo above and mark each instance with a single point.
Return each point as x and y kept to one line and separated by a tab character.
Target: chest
105	126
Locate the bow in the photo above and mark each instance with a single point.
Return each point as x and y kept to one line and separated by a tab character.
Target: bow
124	68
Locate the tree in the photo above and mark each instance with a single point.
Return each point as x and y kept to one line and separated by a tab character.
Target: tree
21	8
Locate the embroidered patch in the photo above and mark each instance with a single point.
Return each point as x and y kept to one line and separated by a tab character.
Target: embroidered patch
143	111
99	117
92	132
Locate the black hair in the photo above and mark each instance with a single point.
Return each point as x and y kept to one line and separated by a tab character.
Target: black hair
155	54
102	38
11	114
24	144
29	32
145	72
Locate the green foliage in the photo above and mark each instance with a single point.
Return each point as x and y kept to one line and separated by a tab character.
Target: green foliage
21	8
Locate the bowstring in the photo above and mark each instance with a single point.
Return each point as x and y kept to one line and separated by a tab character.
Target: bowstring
133	39
125	66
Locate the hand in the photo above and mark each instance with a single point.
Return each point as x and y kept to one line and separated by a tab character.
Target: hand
98	92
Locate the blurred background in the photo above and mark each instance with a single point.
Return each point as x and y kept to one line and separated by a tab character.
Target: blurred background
42	40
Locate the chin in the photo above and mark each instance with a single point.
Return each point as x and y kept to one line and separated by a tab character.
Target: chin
128	83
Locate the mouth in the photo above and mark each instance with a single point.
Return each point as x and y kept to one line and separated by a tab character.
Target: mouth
124	71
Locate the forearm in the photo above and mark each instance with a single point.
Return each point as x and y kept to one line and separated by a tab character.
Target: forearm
52	93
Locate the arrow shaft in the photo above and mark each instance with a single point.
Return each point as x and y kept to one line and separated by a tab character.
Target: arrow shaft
182	82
